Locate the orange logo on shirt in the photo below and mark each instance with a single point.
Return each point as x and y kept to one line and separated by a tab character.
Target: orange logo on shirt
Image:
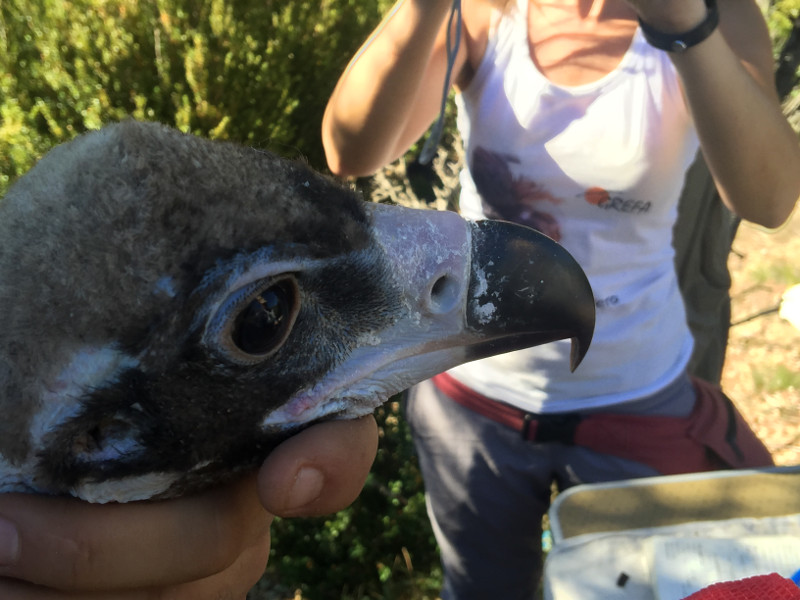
596	196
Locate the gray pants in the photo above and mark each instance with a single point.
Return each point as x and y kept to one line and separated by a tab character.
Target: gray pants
487	489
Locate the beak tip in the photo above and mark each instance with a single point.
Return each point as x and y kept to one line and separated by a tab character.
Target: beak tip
584	328
578	350
576	357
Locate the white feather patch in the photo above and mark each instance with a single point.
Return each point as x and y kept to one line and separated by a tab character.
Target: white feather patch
129	489
88	368
12	477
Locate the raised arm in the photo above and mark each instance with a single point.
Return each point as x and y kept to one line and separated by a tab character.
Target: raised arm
728	80
391	90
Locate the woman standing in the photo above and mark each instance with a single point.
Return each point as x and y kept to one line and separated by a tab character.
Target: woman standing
579	118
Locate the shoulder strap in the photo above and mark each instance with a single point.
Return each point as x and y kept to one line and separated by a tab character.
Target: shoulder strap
702	238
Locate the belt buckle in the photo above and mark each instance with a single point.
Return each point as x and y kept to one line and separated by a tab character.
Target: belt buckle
557	428
527	419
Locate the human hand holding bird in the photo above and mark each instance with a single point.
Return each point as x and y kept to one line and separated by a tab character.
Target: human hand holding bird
209	545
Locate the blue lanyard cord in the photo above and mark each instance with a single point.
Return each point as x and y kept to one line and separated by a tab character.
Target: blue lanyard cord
432	143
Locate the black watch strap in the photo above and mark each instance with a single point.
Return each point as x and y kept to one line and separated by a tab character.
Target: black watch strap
681	42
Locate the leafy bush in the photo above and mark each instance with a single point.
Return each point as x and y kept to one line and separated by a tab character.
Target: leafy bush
783	17
255	71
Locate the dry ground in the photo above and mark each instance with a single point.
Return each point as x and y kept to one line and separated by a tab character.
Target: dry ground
762	368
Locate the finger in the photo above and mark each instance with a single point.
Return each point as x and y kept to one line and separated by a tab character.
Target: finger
232	583
71	545
320	470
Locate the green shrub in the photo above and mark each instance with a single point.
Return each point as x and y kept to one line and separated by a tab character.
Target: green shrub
255	71
781	15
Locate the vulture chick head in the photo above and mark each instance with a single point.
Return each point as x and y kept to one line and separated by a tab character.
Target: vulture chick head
173	308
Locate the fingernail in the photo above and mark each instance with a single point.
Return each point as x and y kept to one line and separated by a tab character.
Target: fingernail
9	543
307	487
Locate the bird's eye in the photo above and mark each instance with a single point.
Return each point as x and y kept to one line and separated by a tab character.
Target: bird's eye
263	323
255	320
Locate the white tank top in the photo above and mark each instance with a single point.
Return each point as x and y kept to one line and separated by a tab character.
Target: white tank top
599	167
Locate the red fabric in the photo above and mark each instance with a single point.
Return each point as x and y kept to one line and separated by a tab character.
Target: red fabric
762	587
715	409
671	445
505	414
674	445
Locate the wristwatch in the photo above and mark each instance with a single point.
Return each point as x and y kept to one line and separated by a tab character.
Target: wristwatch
681	42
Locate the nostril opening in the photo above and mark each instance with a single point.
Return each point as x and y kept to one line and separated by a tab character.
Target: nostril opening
444	294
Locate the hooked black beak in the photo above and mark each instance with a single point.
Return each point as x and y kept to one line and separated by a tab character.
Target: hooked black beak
527	290
467	290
